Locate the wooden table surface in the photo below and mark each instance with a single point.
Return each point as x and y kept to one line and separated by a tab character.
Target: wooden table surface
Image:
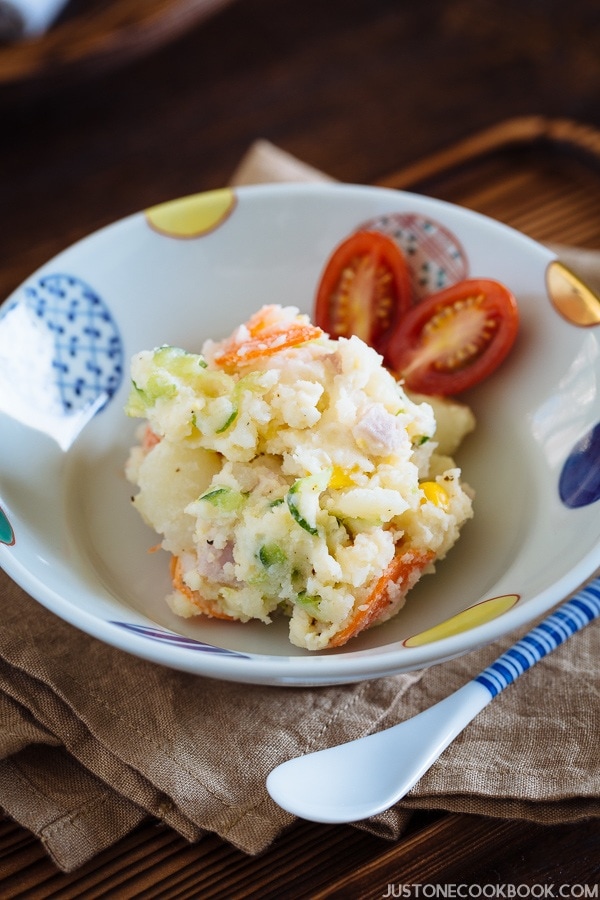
359	89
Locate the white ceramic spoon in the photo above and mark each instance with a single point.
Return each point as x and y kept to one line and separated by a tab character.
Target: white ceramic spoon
363	777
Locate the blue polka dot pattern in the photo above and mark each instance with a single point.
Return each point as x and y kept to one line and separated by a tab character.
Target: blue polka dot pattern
88	352
579	483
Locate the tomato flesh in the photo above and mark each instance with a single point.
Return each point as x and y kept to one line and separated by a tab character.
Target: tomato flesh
364	290
455	338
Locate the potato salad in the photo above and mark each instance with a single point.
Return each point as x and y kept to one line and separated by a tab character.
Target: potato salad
290	474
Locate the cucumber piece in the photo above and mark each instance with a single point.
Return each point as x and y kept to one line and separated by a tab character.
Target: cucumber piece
168	365
271	555
310	603
228	421
141	399
250	382
136	405
303	499
224	498
179	362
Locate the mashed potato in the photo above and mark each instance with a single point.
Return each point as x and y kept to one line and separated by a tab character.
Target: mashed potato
291	473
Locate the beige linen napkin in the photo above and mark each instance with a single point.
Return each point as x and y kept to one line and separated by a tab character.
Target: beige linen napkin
93	740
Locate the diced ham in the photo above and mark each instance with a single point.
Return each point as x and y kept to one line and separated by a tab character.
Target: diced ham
379	432
212	561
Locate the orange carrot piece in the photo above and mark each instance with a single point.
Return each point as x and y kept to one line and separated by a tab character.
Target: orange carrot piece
266	336
207	607
403	571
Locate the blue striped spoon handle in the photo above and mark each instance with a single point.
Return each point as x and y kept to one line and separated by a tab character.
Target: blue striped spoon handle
364	777
553	631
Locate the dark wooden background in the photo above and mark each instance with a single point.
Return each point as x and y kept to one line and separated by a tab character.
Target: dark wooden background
359	89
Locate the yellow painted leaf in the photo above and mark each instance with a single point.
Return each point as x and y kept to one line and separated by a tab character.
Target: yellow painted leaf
574	300
463	621
193	216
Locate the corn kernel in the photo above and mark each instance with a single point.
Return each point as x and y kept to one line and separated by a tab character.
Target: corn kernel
340	479
435	493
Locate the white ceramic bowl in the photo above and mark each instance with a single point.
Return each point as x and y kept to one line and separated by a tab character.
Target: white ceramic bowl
196	268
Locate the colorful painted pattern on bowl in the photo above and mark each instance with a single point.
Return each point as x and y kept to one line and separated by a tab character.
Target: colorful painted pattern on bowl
7	535
61	355
87	362
161	635
435	256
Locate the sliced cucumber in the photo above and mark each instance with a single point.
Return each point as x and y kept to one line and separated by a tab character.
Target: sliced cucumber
178	362
247	383
137	402
141	399
271	554
303	499
310	603
223	497
228	421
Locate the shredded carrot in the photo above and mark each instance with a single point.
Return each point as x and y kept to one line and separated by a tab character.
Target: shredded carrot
208	607
266	336
403	571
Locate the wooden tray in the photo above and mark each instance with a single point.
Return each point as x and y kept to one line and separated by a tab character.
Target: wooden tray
543	177
94	35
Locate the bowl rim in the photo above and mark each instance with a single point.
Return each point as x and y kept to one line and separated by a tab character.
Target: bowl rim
322	668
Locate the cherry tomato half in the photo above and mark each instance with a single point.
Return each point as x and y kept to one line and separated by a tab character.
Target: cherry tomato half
364	289
455	338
